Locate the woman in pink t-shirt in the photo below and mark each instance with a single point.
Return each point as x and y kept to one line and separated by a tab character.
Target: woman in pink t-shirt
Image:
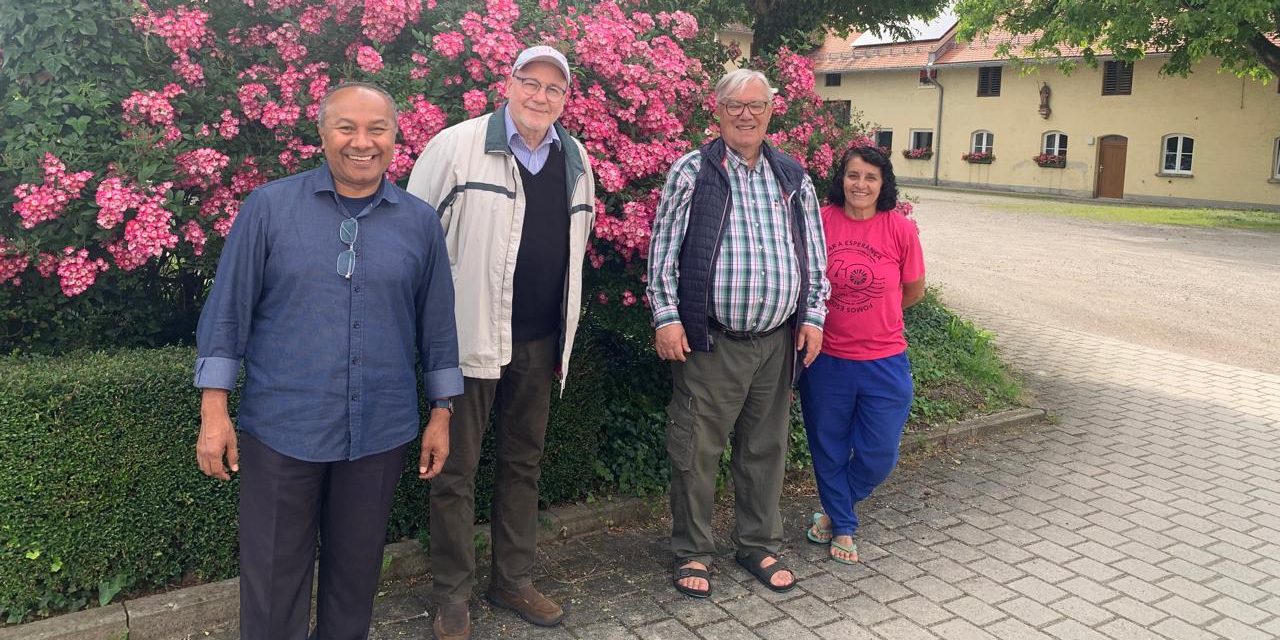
856	395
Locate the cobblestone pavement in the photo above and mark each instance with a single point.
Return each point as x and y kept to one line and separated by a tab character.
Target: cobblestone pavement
1149	509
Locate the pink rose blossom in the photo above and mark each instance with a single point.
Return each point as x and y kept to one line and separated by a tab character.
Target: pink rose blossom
369	59
77	272
475	102
449	44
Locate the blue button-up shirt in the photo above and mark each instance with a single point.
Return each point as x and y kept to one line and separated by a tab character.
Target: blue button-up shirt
329	362
532	159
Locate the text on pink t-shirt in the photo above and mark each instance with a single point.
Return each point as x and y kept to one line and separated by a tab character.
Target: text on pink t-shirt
867	262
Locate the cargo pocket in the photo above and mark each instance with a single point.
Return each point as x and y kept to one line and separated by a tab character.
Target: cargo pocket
681	421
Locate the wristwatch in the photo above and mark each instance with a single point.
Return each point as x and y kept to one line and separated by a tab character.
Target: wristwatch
442	403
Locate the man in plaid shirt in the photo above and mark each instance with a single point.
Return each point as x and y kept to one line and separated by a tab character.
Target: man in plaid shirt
738	293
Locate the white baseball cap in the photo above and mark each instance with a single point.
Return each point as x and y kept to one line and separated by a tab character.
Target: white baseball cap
542	53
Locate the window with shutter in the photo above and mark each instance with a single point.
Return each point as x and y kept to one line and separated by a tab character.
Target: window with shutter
989	81
1117	78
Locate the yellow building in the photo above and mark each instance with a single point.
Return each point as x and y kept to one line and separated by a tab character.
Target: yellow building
1115	131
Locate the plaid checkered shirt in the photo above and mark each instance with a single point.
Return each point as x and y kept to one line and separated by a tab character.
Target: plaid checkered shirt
756	281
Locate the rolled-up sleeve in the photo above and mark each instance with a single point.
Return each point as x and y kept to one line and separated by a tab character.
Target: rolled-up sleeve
437	328
669	224
819	287
223	331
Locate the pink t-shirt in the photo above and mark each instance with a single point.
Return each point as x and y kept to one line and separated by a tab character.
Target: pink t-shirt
867	262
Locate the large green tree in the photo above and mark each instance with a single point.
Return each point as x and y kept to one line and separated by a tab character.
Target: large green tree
1240	33
775	21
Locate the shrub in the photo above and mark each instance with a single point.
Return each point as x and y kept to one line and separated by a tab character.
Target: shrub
954	364
99	491
133	131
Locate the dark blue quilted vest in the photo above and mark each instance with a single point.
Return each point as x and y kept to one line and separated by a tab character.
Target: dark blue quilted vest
708	215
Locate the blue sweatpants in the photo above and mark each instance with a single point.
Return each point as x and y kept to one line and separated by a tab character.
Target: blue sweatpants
854	411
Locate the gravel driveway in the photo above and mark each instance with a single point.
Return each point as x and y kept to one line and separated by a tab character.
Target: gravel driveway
1208	293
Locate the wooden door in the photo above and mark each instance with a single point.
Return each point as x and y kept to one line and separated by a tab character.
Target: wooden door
1111	159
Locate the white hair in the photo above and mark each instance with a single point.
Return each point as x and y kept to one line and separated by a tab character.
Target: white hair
733	82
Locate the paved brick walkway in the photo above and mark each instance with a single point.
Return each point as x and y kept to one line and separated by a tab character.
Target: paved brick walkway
1150	509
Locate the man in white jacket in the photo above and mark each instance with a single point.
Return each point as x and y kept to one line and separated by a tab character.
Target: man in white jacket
516	198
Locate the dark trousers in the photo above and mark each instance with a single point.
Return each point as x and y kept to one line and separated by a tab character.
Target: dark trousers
742	387
522	399
854	411
284	504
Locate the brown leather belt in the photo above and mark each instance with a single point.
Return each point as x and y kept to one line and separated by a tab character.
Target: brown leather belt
742	335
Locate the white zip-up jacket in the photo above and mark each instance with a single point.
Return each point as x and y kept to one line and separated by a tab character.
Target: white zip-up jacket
468	173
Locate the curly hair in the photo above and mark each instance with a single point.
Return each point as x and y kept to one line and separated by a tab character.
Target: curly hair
888	199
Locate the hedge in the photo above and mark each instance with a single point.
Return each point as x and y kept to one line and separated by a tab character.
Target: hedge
99	491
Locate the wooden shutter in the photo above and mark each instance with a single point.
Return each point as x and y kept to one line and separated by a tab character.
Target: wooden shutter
989	81
1117	78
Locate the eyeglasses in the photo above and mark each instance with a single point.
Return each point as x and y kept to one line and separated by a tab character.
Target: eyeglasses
734	108
555	93
347	259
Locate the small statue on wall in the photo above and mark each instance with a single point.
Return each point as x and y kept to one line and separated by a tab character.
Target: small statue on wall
1045	92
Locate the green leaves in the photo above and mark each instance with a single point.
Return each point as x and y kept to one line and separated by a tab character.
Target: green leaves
1232	30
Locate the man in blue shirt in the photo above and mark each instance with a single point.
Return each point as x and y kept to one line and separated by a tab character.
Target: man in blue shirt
329	400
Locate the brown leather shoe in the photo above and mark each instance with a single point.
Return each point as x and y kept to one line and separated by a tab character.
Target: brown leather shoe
528	603
453	621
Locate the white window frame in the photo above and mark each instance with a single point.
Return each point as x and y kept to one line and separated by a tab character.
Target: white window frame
1177	169
1059	147
1275	161
977	147
913	138
877	138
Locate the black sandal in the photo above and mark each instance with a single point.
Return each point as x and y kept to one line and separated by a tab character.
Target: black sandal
681	573
752	562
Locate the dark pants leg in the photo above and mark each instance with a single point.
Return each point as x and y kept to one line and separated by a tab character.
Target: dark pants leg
523	396
759	458
284	504
453	495
279	518
523	406
353	529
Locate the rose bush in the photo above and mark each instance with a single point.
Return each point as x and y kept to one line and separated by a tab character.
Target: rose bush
196	103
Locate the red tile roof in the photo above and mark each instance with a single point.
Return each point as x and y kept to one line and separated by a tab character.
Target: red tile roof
838	54
984	48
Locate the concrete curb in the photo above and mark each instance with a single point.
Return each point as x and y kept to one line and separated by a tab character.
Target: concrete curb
184	613
948	434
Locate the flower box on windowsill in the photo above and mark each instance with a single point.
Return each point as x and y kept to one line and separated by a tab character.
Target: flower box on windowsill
1050	161
978	157
922	153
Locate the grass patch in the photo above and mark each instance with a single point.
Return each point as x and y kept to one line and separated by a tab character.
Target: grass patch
1205	218
955	367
